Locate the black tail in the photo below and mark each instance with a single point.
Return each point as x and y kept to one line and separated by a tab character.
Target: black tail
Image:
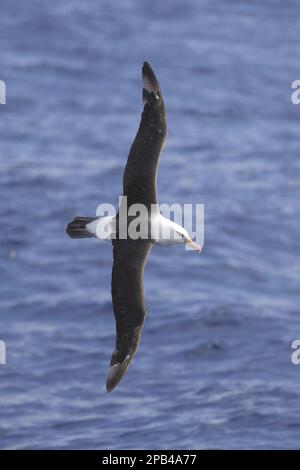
76	228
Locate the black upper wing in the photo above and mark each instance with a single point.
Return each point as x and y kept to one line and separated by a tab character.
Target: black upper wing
139	180
128	303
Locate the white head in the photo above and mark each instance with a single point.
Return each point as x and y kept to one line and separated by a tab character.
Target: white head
182	236
167	232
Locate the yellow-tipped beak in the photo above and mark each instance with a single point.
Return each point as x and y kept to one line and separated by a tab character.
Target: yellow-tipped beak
194	245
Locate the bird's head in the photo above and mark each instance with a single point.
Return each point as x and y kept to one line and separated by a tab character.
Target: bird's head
183	237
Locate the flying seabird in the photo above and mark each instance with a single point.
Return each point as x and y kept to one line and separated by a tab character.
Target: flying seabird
130	253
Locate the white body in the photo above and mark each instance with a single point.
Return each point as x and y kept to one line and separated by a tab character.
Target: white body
162	230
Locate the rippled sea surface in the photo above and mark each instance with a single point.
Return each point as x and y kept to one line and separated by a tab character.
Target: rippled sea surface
214	366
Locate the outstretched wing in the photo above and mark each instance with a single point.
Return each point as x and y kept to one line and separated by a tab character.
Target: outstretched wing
139	180
130	257
139	185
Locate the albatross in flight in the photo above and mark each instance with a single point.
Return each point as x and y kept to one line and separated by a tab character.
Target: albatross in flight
130	253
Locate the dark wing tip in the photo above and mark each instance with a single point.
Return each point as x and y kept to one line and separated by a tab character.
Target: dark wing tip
122	357
116	373
150	81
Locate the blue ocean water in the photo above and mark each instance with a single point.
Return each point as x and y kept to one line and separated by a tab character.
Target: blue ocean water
214	366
